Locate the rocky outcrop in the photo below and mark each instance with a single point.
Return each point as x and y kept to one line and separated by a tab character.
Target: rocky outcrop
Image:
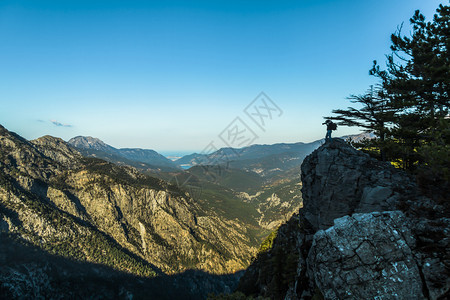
339	180
364	232
57	150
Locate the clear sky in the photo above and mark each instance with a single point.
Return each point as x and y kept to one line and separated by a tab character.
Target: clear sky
172	75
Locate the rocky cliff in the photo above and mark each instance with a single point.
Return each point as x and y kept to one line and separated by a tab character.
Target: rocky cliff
364	232
91	210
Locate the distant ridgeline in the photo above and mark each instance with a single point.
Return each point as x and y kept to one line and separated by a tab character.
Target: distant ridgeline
143	159
265	160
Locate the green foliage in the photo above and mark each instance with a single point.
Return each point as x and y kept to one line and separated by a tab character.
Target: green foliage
235	179
70	279
434	172
374	114
224	202
417	83
268	242
277	267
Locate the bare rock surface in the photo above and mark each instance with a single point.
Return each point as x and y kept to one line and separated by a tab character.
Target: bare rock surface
365	256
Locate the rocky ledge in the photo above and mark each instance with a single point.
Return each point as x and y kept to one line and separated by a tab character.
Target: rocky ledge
365	232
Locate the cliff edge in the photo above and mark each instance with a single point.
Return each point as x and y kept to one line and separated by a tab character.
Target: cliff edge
365	232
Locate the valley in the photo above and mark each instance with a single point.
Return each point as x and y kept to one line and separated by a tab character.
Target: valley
132	212
95	205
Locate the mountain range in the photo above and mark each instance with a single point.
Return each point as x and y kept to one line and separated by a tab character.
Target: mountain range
143	159
265	160
91	210
72	203
258	184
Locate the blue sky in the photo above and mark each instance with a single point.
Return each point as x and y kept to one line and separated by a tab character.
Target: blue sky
172	75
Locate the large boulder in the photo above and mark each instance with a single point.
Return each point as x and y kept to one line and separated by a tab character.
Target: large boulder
366	256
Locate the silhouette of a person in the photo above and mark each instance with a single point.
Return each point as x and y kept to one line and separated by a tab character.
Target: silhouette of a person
330	127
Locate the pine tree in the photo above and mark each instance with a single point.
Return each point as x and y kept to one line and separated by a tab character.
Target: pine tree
417	81
374	116
409	114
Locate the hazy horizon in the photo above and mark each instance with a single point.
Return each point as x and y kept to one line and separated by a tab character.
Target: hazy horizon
181	153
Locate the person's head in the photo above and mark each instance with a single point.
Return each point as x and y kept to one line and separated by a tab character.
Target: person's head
327	121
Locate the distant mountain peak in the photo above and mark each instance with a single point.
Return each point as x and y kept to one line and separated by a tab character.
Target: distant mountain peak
50	139
95	147
89	142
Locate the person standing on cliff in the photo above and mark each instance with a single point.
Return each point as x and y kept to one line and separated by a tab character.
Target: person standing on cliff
330	127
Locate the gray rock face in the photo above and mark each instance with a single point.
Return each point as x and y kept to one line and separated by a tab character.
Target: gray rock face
58	150
364	232
340	180
366	256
